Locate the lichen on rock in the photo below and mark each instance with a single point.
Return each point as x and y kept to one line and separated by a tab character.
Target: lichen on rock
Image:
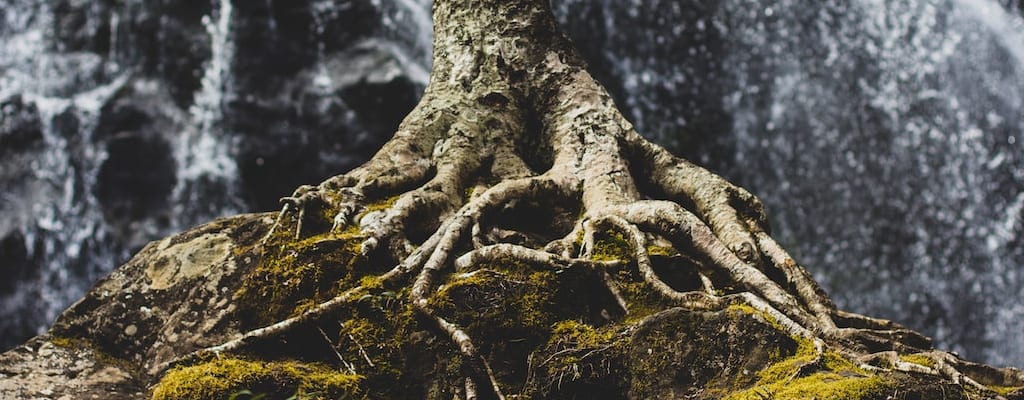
185	260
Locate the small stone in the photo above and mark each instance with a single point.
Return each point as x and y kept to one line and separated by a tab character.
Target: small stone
131	330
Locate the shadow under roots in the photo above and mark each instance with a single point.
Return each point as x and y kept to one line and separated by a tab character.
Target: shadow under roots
679	272
530	223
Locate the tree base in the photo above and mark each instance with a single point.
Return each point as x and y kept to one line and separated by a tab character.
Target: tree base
517	238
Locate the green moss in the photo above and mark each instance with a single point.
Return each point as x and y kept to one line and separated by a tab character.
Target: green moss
821	386
371	282
580	335
98	353
510	306
219	379
1005	390
641	301
918	359
788	368
581	356
471	283
838	379
303	306
380	205
609	246
376	335
535	304
488	299
295	275
661	251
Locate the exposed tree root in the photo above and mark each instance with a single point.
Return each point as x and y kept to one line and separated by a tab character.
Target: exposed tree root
797	303
458	171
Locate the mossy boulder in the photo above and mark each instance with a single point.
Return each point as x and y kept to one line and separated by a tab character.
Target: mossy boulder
547	334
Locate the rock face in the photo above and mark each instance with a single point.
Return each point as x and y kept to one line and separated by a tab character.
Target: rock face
175	295
187	292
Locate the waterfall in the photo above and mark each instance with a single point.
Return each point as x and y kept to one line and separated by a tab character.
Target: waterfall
47	209
410	21
207	171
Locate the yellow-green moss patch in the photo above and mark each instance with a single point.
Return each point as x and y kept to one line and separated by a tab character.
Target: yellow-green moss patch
610	246
381	205
661	251
1005	390
295	275
821	386
518	299
579	334
641	301
839	378
219	379
66	342
787	368
98	354
918	359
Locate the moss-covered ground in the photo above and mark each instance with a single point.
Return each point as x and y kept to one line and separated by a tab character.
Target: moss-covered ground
547	333
226	378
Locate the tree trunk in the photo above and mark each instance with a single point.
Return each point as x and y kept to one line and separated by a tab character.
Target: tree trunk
518	237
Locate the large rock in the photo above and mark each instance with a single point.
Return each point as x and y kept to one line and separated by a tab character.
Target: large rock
544	336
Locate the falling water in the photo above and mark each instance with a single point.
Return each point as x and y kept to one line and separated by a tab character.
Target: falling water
46	211
207	172
410	21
